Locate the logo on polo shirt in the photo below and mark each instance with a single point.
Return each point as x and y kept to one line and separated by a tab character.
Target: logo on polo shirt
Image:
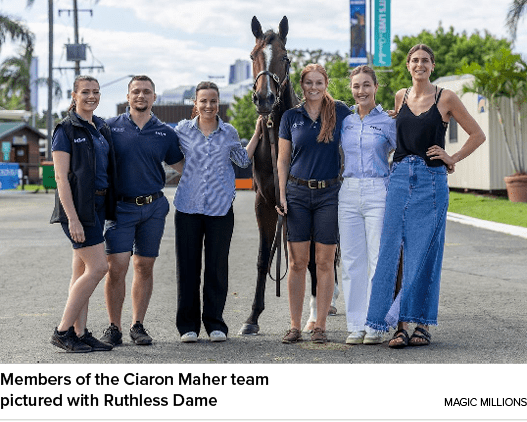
161	133
295	125
376	128
348	127
79	140
117	129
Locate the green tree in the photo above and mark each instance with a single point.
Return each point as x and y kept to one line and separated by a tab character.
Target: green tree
243	115
15	78
502	79
452	50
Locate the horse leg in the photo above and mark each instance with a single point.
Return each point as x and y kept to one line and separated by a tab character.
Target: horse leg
266	217
310	325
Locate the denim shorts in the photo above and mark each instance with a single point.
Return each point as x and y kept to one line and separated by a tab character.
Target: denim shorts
92	234
312	214
137	229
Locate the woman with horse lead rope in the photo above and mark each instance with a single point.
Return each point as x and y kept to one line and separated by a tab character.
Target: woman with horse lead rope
204	215
413	234
368	136
308	172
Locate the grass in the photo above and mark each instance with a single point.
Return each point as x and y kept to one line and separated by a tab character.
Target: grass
484	207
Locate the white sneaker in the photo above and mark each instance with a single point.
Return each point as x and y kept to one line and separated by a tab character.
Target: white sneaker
190	337
374	337
356	337
217	335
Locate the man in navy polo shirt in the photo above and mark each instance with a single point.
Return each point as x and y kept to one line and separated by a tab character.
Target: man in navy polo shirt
142	143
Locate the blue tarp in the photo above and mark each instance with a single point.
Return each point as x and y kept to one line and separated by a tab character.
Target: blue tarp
9	175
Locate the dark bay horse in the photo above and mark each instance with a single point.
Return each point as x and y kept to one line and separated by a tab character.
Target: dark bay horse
273	95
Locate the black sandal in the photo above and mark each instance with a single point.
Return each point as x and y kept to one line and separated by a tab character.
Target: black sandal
425	335
400	334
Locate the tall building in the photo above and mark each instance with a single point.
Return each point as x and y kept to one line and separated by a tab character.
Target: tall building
239	71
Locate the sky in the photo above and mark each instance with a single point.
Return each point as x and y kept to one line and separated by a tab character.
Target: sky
182	42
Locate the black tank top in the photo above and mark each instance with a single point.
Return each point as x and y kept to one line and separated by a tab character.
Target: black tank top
415	134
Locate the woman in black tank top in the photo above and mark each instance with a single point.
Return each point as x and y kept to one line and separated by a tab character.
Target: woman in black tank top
405	288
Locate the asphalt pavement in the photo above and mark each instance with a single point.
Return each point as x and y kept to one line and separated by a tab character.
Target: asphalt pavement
482	316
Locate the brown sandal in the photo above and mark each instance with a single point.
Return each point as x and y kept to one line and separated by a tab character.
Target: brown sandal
292	336
319	336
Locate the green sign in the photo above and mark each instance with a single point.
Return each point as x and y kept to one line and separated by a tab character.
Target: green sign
383	56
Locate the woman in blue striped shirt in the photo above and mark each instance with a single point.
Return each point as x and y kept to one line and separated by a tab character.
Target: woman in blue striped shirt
368	136
204	213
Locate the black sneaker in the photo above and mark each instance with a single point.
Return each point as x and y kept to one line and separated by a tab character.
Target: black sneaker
112	335
96	345
139	335
69	341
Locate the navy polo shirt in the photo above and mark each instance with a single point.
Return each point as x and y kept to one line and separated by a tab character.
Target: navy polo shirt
100	146
311	159
140	154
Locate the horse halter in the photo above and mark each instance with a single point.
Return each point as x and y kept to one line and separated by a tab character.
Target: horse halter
279	86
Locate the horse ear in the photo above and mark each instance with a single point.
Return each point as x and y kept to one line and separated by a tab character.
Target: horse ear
283	28
256	27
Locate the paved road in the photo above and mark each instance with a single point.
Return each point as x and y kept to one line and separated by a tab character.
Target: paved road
482	308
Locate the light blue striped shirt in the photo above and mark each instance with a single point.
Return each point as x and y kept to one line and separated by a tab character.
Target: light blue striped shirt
366	144
207	185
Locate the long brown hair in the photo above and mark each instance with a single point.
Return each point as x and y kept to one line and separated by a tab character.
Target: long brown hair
327	110
88	78
203	85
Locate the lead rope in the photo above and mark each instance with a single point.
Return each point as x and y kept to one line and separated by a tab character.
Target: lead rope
281	225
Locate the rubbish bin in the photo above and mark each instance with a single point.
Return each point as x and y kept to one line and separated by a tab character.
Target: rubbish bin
48	175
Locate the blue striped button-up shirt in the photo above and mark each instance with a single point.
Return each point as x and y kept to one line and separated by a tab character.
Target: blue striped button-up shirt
207	185
366	144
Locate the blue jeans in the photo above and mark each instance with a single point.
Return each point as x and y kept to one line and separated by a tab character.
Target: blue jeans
414	223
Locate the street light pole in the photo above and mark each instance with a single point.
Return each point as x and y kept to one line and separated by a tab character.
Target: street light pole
49	116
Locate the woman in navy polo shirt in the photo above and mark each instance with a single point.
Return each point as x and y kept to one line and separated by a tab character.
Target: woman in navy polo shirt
308	171
85	173
368	136
204	214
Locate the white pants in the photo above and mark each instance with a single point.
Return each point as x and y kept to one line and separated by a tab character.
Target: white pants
361	214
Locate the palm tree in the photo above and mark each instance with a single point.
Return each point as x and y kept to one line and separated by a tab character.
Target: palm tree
14	29
15	77
516	11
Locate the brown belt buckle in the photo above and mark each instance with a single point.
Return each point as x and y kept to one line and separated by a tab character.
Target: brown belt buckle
143	200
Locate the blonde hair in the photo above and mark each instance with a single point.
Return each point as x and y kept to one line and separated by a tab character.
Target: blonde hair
328	115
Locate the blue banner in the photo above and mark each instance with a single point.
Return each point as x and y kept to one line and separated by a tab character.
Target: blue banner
383	56
9	175
358	32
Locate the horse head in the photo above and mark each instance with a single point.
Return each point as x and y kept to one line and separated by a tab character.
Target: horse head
270	65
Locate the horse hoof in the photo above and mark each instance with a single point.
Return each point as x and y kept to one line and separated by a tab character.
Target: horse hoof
332	311
310	326
249	330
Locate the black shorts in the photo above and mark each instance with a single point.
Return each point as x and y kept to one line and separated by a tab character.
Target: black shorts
93	234
312	214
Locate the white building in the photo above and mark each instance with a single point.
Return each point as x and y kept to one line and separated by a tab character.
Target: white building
486	167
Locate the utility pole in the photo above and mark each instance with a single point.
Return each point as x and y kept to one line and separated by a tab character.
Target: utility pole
76	35
49	116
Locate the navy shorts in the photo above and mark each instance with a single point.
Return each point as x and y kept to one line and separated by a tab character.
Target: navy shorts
93	234
138	228
312	214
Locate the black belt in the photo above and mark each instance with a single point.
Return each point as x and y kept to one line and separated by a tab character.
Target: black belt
101	192
141	200
313	183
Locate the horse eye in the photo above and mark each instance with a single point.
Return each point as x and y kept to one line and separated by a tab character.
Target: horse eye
251	57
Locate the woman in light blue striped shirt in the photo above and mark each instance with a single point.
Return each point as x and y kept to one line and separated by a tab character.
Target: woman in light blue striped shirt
204	213
368	136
